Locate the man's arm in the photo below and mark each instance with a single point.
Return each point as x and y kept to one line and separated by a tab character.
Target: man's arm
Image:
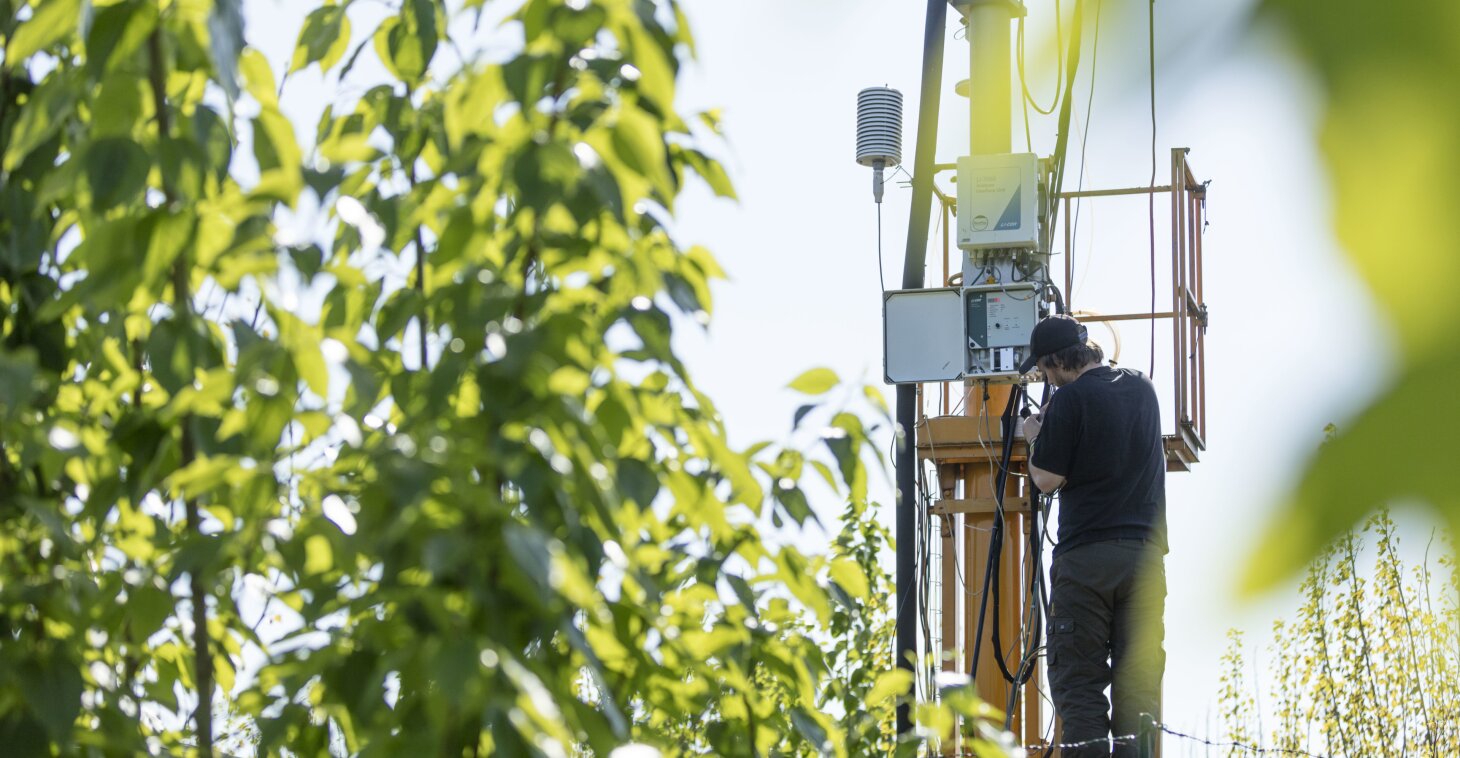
1056	450
1044	480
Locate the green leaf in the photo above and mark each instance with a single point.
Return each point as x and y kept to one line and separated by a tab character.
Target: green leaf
810	728
116	170
223	673
817	381
169	234
891	684
575	27
53	687
545	173
202	475
1339	487
875	396
845	440
794	502
324	39
354	56
825	472
743	592
279	157
846	572
176	350
526	76
51	105
117	33
656	73
406	43
112	252
225	42
213	136
258	77
1390	136
402	306
682	30
639	143
184	168
17	380
712	172
51	22
303	343
119	104
318	555
470	102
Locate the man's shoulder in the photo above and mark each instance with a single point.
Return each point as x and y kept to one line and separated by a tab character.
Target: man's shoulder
1108	384
1119	376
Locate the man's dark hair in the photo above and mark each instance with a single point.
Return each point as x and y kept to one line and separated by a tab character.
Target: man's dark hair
1075	357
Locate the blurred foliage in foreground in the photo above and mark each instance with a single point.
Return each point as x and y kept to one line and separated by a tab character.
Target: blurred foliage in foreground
1389	77
1369	666
429	479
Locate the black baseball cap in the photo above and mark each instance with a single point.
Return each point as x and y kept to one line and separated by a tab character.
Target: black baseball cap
1052	335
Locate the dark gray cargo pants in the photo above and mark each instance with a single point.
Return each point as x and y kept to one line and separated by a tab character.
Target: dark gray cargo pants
1106	602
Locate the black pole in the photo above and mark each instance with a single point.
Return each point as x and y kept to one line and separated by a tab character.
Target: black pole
912	277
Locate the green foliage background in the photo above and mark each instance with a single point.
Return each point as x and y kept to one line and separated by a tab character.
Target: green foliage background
1368	665
484	510
489	505
1388	76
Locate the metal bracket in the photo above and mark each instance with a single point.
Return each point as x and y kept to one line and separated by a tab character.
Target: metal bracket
976	506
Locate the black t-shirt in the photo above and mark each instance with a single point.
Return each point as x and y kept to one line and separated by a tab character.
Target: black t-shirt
1102	432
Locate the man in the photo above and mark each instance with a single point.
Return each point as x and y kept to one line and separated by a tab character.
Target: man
1098	443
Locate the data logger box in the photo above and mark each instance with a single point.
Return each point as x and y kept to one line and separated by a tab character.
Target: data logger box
949	333
998	201
998	323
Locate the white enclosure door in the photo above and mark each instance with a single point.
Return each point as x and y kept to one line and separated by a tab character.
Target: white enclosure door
922	335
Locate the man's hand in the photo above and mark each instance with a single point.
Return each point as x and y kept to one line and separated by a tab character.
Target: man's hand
1032	425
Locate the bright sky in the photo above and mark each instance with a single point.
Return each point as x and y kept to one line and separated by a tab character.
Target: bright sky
801	248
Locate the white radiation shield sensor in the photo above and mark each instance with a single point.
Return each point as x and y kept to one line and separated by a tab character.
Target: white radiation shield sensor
922	335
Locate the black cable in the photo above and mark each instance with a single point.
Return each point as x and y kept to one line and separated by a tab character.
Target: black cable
996	551
1028	98
1041	504
880	279
1024	83
1151	195
996	538
1029	660
1084	142
1059	300
923	574
1063	136
1028	136
1036	545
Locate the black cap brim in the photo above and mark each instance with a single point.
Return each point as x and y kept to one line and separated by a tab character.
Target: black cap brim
1028	364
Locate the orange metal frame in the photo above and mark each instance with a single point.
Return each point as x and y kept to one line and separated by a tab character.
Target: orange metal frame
1188	311
964	449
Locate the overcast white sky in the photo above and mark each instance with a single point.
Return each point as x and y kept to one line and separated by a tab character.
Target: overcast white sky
800	246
